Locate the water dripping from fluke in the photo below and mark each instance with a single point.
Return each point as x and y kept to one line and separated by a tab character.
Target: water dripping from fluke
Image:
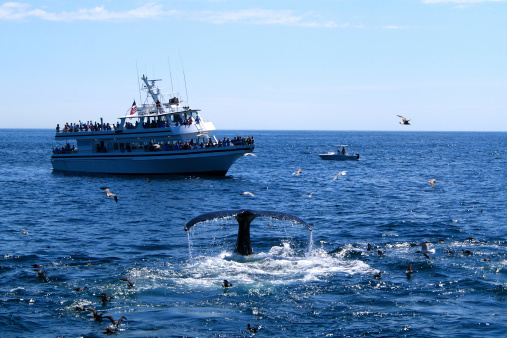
244	217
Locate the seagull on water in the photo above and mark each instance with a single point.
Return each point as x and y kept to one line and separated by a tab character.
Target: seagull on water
297	172
425	249
247	193
404	120
110	194
341	173
432	182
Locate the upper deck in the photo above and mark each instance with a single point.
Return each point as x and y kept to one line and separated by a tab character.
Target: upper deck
157	116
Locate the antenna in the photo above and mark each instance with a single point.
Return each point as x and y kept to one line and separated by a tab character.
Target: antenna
184	78
170	74
138	83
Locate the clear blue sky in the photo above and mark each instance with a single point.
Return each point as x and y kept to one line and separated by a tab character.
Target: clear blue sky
311	65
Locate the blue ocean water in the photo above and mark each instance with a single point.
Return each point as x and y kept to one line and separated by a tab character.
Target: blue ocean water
298	283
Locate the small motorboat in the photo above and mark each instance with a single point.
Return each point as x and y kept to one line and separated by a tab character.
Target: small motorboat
339	156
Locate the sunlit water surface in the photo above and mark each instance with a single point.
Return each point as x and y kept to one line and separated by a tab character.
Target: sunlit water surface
298	283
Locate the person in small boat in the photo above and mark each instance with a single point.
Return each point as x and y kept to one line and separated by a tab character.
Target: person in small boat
343	150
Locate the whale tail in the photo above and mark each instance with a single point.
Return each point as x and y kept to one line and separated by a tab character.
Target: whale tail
244	217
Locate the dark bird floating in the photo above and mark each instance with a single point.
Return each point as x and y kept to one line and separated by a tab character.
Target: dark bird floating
244	218
226	284
251	328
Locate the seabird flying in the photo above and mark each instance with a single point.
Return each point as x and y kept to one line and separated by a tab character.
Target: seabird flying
247	193
341	173
310	194
96	315
25	232
249	154
297	172
405	121
115	322
425	250
131	284
432	182
110	194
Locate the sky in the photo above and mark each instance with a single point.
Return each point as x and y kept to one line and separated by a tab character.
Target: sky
260	65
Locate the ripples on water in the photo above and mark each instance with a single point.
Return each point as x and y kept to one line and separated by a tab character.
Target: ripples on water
295	284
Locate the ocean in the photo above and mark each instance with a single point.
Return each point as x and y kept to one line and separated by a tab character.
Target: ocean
298	283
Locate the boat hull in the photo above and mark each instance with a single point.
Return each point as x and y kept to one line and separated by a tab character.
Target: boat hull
210	162
339	157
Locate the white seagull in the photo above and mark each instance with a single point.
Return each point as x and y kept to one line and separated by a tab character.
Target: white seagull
297	172
309	195
425	249
432	182
247	193
339	174
249	154
110	194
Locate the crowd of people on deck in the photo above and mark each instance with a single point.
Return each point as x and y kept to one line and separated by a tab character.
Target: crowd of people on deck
180	145
66	149
95	126
86	126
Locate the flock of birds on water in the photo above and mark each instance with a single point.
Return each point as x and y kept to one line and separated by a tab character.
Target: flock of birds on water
425	250
98	315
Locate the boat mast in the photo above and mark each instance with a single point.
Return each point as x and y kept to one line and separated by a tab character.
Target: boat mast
154	95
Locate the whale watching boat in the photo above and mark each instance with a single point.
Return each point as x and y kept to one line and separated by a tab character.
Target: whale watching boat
159	136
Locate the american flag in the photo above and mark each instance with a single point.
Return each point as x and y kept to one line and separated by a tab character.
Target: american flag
133	110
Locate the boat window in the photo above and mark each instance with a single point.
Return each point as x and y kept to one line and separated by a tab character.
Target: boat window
115	146
127	146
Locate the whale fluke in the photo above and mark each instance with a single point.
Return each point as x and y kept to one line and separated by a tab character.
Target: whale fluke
244	218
